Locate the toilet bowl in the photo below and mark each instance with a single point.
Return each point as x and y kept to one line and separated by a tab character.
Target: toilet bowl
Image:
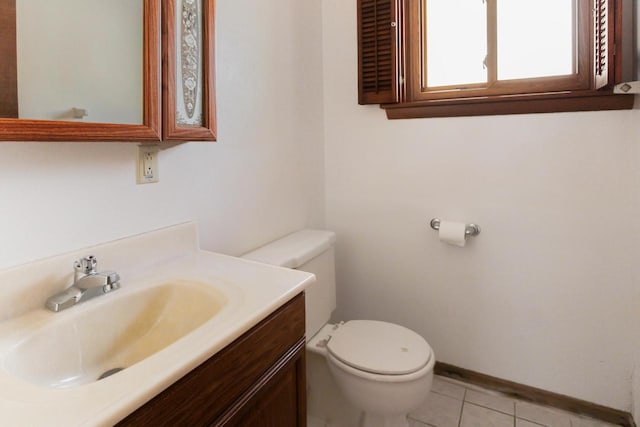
383	369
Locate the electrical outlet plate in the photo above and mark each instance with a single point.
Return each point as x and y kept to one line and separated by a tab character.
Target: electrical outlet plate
147	170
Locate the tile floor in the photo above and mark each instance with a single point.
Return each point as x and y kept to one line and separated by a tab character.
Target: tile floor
456	404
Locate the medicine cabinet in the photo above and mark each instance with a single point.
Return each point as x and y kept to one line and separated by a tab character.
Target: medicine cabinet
107	70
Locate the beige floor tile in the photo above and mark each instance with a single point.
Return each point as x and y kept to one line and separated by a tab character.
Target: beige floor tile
414	423
542	415
524	423
447	388
492	401
478	416
439	411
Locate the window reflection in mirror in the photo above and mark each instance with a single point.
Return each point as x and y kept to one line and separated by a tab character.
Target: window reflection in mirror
74	60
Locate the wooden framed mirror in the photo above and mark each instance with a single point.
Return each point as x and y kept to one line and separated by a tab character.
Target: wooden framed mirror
47	68
188	97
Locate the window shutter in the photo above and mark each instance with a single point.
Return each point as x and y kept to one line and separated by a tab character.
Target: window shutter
604	47
378	51
8	65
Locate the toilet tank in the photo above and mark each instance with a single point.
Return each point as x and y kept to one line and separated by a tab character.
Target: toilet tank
311	251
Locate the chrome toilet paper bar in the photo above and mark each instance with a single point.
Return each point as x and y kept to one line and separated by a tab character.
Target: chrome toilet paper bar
470	229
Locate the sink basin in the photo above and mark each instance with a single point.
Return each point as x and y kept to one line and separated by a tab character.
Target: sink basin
178	306
79	347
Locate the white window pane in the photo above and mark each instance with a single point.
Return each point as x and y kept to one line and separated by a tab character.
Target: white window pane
532	42
456	42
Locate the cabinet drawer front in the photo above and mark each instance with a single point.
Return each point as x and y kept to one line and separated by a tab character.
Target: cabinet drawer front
204	393
278	399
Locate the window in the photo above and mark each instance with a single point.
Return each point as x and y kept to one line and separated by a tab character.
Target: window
431	58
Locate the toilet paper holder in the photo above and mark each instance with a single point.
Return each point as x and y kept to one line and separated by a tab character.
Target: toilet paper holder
469	230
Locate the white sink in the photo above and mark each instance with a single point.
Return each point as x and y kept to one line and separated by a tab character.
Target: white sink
79	346
177	306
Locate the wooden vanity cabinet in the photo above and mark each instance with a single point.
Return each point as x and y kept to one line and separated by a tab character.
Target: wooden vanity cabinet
258	380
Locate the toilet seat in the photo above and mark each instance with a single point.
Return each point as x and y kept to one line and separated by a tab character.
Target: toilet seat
379	348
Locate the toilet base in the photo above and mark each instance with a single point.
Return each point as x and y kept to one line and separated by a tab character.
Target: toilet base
374	420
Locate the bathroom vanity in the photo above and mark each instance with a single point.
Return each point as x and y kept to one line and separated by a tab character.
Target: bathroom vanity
190	337
259	379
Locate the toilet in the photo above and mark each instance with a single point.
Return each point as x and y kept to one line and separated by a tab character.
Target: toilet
383	369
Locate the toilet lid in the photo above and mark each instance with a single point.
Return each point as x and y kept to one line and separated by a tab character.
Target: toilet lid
379	347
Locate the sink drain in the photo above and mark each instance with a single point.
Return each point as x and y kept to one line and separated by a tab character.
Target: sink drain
109	373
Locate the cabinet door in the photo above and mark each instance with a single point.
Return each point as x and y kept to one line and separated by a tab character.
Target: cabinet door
278	400
217	391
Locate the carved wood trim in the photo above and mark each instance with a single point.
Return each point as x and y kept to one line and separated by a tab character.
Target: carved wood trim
171	131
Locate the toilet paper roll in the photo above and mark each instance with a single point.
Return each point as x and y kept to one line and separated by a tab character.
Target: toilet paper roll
452	233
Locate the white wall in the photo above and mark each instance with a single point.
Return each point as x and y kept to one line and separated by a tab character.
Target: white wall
262	179
545	296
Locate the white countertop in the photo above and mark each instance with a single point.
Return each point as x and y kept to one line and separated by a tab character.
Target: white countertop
253	291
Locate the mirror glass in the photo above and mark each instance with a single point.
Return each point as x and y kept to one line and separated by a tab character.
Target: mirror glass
74	60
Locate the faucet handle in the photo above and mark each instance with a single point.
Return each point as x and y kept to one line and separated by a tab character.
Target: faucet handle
86	265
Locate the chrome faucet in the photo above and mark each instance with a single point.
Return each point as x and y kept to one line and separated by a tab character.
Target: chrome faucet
91	285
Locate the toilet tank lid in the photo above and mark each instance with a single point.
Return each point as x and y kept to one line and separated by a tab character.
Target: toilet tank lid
294	250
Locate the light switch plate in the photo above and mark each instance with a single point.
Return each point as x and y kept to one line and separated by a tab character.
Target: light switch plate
147	170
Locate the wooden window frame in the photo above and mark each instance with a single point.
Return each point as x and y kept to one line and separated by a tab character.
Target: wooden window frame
417	51
589	90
